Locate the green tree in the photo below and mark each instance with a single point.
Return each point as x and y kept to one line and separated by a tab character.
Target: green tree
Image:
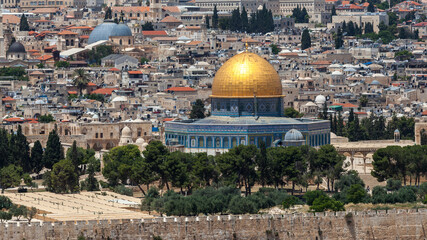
62	64
236	21
333	11
215	19
118	163
47	118
108	13
332	163
339	42
10	176
148	26
37	157
198	110
96	54
31	213
63	178
403	55
263	165
241	205
23	24
155	155
292	113
371	7
54	151
363	100
356	194
76	156
310	196
207	22
305	39
4	148
274	49
80	79
323	203
204	170
389	162
238	166
20	150
245	20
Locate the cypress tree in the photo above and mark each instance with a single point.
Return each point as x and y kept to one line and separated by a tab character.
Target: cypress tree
304	15
207	22
371	7
54	151
333	11
244	19
21	151
37	157
215	18
4	148
236	23
23	24
340	125
338	39
305	39
350	28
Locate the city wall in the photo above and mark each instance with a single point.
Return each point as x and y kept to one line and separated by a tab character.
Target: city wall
391	224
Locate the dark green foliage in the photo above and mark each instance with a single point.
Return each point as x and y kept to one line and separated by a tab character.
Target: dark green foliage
333	11
300	15
393	184
215	18
260	22
96	54
148	26
404	54
144	60
274	49
339	42
292	113
23	24
63	178
211	201
118	163
10	176
97	97
47	118
54	151
207	22
305	39
347	180
198	110
310	196
108	14
4	148
245	21
290	201
369	28
20	150
15	73
371	7
62	64
403	195
5	202
356	194
324	203
37	157
121	189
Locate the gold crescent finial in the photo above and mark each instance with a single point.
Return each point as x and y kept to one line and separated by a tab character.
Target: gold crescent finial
246	45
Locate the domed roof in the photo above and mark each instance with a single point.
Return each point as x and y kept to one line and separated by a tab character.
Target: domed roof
375	82
101	32
16	47
139	141
294	135
320	99
396	131
337	73
126	132
121	30
120	99
244	76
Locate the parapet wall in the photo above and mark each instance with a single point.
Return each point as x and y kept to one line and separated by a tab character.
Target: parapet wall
391	224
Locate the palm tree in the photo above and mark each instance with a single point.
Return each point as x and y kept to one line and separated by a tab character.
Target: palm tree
81	79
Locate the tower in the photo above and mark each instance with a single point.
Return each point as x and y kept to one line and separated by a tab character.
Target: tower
2	45
156	10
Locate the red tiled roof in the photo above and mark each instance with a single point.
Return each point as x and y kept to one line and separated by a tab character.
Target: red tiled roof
321	63
130	9
424	113
173	9
134	72
16	119
180	89
345	105
421	24
8	99
194	43
168	119
72	92
10	19
170	19
114	70
104	91
154	33
33	121
361	113
44	57
91	84
67	32
84	37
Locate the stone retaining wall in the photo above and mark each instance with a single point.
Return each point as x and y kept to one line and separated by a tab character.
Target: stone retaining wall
391	224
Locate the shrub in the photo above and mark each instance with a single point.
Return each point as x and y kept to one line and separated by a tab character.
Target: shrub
393	185
324	203
406	194
121	189
310	196
240	205
356	194
290	201
5	202
379	194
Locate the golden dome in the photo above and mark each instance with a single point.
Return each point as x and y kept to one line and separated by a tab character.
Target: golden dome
246	75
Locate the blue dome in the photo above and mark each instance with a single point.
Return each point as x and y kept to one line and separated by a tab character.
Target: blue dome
396	131
294	135
101	32
121	30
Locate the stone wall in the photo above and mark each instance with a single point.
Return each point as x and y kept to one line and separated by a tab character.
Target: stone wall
392	224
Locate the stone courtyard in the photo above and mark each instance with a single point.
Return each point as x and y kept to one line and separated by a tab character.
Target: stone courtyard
83	206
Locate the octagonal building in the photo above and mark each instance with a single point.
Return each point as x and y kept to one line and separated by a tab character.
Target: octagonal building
247	108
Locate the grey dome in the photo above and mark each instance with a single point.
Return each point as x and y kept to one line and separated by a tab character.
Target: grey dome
16	47
375	82
294	135
121	30
101	32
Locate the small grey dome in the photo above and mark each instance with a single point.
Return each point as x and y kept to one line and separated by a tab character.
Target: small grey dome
396	131
294	135
101	32
121	30
375	82
16	47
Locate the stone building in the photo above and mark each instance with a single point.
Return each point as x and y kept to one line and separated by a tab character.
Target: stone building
247	108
